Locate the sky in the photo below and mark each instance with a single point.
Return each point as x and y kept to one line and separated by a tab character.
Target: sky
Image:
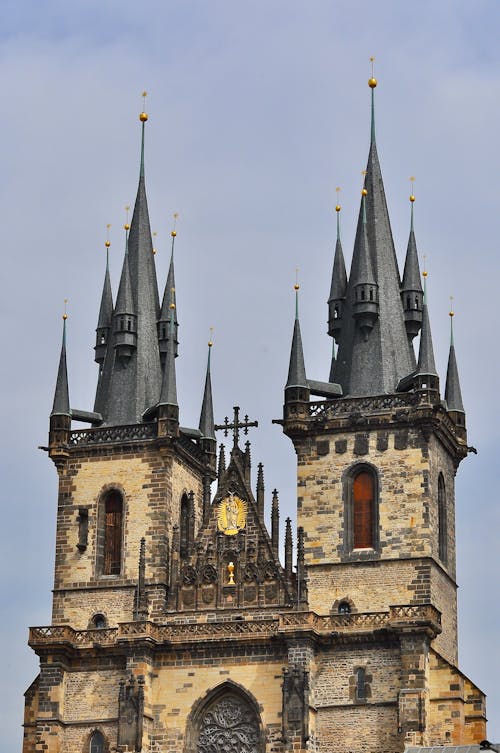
258	111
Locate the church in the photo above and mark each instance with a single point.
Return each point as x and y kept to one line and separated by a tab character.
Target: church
176	625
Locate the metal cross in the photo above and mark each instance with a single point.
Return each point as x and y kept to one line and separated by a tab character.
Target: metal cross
236	425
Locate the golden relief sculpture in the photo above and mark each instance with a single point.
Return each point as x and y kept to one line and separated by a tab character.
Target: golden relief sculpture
232	516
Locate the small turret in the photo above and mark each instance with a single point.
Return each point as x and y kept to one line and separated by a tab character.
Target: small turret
166	312
168	407
296	388
125	318
104	321
411	287
288	549
60	417
275	524
426	376
208	441
338	287
365	306
453	393
260	490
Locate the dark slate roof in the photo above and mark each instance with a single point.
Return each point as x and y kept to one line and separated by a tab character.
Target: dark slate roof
124	299
296	369
374	366
411	275
426	364
453	393
106	307
339	276
60	406
126	391
168	395
207	410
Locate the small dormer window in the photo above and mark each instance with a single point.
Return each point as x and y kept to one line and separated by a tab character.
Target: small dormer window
344	607
99	621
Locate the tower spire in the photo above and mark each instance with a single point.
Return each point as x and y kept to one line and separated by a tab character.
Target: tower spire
125	317
297	369
105	319
168	408
207	410
411	287
61	405
338	285
453	393
143	117
373	350
426	375
166	312
372	83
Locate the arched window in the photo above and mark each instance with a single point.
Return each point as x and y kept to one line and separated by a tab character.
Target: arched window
99	621
113	524
96	742
363	504
442	521
344	607
360	684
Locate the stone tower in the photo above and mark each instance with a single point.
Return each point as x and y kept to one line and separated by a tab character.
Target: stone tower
175	626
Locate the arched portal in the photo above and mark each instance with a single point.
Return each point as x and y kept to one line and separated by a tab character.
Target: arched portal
227	720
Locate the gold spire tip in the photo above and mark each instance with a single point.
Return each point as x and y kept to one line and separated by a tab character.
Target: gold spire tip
338	207
65	315
107	242
143	116
296	286
412	195
154	236
174	231
372	81
451	312
126	225
364	192
210	340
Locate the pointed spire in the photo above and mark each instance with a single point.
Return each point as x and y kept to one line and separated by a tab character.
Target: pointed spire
61	406
426	365
143	117
288	549
168	395
125	319
372	83
297	369
105	311
207	410
165	311
365	306
275	524
453	393
338	285
372	362
221	467
411	287
260	489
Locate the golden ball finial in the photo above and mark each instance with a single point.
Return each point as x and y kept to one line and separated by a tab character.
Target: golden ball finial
296	286
364	192
126	226
172	305
338	208
143	117
107	244
412	198
173	233
424	273
452	313
372	83
65	316
210	343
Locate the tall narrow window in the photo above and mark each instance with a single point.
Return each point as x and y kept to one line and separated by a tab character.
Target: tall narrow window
363	502
360	684
96	742
113	522
442	521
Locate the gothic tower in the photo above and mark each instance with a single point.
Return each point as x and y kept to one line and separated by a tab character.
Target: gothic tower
375	483
175	626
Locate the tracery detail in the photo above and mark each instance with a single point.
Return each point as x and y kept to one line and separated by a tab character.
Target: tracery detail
230	726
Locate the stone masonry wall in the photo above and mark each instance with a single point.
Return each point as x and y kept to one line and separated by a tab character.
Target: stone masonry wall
152	483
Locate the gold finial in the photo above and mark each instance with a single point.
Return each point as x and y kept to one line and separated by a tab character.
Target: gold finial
230	570
338	207
108	242
154	236
126	225
296	286
65	315
452	313
425	273
210	341
412	195
174	231
172	292
143	116
372	82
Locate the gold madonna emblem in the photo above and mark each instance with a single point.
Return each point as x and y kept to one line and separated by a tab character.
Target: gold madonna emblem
232	515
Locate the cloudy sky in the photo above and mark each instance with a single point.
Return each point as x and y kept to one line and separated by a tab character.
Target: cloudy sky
258	110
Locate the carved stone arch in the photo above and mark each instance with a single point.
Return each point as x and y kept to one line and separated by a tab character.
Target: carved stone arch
337	606
106	490
227	718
